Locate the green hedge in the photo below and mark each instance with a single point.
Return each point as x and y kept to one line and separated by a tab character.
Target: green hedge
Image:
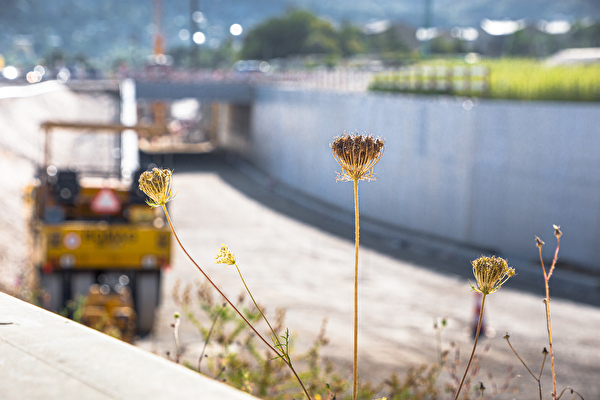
520	79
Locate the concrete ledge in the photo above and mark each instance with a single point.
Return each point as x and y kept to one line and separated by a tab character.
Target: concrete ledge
238	93
45	356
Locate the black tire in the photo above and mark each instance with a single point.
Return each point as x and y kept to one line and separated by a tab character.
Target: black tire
146	298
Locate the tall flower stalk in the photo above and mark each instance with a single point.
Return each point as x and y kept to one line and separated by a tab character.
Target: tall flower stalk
490	273
547	275
156	184
357	155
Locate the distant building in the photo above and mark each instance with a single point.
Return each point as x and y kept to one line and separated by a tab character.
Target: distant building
575	56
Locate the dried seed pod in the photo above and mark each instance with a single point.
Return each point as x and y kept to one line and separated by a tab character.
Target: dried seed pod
491	273
357	154
156	184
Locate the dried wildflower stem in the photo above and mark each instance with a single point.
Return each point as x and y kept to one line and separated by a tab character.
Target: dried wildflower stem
156	184
481	389
491	273
279	354
357	155
572	392
356	242
547	304
538	379
211	281
474	346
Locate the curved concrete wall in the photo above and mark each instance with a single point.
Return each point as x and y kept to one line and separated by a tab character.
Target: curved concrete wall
492	174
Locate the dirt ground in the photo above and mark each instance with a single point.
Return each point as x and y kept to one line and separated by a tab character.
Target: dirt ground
304	268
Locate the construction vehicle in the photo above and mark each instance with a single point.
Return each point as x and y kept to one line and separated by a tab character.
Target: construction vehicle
94	236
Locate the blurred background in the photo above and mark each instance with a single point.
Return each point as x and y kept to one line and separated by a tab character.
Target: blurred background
102	39
490	114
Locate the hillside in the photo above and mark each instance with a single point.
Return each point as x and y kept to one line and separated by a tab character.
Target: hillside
108	29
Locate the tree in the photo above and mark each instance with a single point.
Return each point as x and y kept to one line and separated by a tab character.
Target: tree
352	40
386	42
297	32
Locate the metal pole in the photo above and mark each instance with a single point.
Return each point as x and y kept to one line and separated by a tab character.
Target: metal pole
194	6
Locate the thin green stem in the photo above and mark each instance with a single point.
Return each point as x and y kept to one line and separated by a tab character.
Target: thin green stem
176	336
212	327
356	242
474	347
275	337
229	301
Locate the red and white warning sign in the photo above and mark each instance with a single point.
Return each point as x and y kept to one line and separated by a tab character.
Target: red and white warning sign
106	201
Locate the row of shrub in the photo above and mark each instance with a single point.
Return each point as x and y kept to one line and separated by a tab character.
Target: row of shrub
506	78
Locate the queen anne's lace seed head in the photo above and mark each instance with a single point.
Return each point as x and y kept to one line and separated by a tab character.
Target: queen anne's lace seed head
156	184
490	273
357	155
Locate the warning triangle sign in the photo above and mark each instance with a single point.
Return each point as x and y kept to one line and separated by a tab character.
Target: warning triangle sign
106	201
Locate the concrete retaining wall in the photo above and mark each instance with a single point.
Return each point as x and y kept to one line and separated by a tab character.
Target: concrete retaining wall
487	173
45	356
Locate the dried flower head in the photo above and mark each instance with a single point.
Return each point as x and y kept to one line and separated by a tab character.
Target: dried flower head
357	155
156	184
490	273
539	242
557	231
225	256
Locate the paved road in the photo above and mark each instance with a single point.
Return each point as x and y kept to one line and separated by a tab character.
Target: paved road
301	259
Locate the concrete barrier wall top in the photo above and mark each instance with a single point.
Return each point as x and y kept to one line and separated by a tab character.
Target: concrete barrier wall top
45	356
238	93
488	173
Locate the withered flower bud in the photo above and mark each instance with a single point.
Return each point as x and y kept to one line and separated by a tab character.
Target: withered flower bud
490	273
538	242
357	154
156	184
557	231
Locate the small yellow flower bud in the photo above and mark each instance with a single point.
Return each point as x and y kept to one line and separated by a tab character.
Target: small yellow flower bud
224	256
557	231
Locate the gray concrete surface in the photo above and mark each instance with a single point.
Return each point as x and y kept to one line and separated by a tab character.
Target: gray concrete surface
45	356
239	93
489	173
301	259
